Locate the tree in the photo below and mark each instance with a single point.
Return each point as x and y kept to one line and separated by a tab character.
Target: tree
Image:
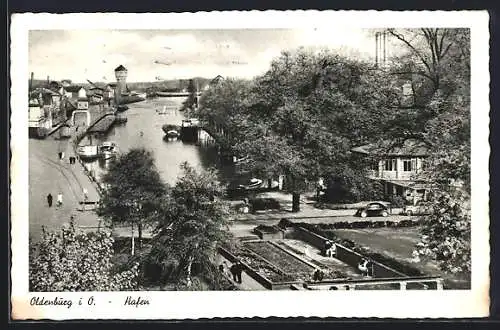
442	58
194	221
68	260
308	111
435	54
223	108
192	100
134	190
446	236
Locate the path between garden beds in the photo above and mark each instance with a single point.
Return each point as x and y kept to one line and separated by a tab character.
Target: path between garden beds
248	283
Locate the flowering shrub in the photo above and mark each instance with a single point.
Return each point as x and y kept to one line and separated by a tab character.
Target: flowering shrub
76	261
446	234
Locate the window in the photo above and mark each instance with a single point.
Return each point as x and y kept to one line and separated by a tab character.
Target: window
408	165
390	164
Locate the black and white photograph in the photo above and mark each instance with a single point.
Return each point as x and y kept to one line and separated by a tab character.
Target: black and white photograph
306	157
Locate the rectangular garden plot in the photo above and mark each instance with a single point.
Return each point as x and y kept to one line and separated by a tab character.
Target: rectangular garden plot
279	258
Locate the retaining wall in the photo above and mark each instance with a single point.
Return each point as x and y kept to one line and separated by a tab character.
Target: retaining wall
346	255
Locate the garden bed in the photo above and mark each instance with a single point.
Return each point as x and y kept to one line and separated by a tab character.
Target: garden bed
284	261
268	232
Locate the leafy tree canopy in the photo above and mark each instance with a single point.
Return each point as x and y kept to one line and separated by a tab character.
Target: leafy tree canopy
134	189
194	221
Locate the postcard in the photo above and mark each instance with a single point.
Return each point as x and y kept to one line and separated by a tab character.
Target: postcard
249	164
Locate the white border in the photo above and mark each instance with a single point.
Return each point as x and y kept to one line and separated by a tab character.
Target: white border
192	305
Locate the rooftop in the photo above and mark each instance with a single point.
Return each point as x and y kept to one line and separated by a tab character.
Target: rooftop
120	68
44	91
73	88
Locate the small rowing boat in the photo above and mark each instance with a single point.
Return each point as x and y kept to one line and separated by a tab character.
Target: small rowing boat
171	131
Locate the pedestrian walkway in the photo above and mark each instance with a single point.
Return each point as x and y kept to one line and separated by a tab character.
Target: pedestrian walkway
49	174
247	283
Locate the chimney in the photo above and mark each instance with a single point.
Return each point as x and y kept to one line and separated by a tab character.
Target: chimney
31	81
376	49
384	49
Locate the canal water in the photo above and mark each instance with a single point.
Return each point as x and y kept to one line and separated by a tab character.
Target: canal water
144	129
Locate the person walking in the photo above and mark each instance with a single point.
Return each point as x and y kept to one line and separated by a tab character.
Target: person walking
234	271
85	197
59	199
239	270
49	200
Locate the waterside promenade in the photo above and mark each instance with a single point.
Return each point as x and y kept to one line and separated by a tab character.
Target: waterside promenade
50	175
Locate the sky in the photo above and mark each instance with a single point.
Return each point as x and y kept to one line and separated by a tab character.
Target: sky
151	55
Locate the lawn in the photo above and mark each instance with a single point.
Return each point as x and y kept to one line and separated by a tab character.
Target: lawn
398	243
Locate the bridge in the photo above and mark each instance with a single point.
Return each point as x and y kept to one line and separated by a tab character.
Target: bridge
92	127
175	94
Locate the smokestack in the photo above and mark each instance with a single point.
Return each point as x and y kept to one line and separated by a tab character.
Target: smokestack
384	49
376	49
31	81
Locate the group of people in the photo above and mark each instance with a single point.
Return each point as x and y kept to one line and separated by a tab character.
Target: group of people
59	200
235	270
72	159
365	266
318	275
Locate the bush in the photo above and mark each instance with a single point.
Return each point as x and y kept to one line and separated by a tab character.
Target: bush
267	229
351	186
72	260
258	204
397	201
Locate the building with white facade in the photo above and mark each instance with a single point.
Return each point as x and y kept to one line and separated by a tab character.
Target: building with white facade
399	168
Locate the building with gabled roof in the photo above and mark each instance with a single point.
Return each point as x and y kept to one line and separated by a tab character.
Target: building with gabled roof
399	167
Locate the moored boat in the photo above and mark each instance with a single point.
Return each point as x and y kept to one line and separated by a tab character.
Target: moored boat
253	184
171	130
172	134
87	152
108	150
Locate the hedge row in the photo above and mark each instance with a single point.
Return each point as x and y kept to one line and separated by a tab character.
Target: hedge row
267	229
370	224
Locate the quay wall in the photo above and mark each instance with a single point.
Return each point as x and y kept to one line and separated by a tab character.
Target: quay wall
82	134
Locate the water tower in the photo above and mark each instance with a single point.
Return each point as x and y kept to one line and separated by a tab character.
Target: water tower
121	82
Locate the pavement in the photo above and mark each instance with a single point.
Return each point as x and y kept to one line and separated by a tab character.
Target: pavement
242	225
308	211
48	174
247	282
